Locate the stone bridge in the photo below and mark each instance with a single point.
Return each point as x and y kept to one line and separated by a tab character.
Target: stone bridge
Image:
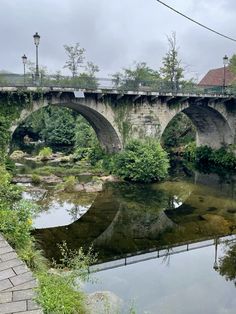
119	116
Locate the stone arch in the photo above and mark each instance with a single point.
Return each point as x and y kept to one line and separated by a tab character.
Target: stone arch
212	128
106	133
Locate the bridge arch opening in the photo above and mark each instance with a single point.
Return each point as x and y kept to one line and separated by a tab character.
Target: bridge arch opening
106	134
211	127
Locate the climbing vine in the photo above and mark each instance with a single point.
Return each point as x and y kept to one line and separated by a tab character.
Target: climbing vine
11	105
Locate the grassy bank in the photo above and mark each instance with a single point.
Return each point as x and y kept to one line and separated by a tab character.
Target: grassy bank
58	291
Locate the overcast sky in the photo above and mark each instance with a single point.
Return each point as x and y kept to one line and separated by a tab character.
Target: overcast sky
115	33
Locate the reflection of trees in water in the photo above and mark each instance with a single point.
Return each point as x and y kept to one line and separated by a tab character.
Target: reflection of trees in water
227	264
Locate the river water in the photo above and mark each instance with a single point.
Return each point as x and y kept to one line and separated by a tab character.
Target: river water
165	248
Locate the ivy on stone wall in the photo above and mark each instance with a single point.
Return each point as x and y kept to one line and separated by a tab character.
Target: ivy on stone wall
11	105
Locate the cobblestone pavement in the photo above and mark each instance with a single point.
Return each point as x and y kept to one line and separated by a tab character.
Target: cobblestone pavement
16	283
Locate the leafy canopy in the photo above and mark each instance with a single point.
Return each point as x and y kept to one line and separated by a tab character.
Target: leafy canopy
142	161
171	70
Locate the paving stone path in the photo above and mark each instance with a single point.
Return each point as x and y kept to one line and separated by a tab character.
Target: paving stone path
16	283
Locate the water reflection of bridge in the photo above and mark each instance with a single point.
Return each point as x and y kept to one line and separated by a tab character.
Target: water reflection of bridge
164	251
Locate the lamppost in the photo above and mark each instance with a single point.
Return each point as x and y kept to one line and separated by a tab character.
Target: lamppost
24	60
225	63
215	266
36	42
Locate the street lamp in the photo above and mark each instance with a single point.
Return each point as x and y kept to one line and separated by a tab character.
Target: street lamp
215	266
36	42
225	63
24	60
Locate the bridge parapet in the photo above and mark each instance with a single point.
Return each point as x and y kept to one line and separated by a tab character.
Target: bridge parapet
105	85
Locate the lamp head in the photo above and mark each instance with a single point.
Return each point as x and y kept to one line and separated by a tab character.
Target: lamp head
225	60
24	59
36	39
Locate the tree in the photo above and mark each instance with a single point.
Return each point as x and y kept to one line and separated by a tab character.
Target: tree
59	126
232	64
85	136
31	68
75	56
171	71
227	264
141	75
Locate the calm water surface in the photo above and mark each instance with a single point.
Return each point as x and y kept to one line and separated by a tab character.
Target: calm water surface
128	223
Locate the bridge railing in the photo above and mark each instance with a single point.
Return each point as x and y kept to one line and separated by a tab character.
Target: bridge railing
123	85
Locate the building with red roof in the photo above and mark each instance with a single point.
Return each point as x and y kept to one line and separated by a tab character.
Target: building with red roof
215	77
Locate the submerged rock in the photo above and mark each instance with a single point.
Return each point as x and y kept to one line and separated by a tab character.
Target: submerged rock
51	179
21	178
110	178
101	302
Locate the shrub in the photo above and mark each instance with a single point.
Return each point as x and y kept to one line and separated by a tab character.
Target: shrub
16	224
59	292
205	155
190	151
68	185
36	179
96	153
45	153
142	161
57	295
8	193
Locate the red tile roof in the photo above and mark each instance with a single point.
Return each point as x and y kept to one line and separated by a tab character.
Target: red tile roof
216	77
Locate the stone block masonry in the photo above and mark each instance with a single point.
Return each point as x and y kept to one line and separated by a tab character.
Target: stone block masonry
17	283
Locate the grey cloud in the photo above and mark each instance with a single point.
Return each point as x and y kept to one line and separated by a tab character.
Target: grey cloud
114	33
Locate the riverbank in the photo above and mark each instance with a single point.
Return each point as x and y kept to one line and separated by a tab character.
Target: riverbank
17	283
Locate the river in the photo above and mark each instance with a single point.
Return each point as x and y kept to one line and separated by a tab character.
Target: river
165	248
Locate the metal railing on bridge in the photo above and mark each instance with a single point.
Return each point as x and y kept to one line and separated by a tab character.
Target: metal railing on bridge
86	82
164	252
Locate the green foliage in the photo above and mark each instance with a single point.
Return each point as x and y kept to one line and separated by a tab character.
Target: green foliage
45	153
8	193
190	151
85	136
179	131
227	264
4	135
75	56
69	184
60	292
205	155
142	161
171	70
36	179
96	153
59	126
232	64
57	295
16	224
142	75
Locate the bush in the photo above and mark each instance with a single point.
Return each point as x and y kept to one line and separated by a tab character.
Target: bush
59	292
190	151
36	179
96	153
205	155
45	153
8	193
16	224
56	295
142	162
68	185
